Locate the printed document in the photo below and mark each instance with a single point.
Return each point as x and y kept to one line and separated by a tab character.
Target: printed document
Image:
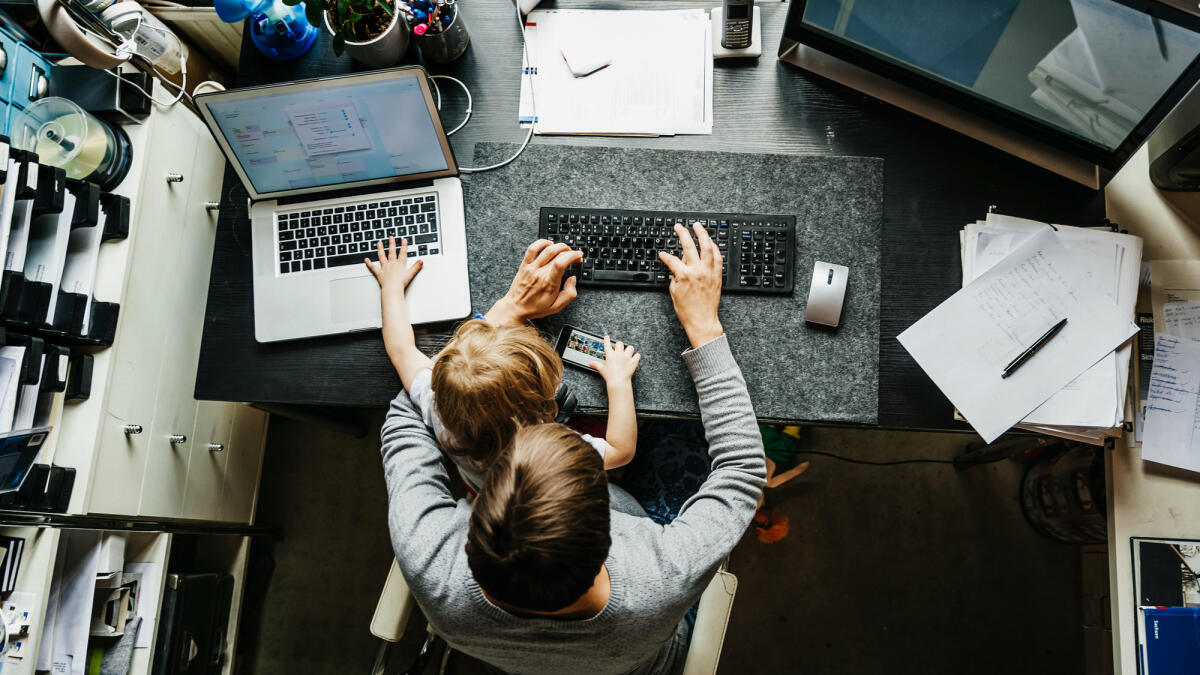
1173	409
965	343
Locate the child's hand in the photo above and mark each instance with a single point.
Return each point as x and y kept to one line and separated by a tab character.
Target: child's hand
620	360
393	271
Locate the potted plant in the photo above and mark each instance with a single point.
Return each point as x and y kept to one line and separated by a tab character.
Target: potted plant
369	30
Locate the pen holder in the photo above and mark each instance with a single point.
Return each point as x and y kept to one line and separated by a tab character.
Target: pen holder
447	44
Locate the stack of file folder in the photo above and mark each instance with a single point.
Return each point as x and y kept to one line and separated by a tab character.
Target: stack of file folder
1021	278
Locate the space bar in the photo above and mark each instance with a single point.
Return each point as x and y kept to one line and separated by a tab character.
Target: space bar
343	260
621	275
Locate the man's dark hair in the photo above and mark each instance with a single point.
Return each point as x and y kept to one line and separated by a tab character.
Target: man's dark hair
539	527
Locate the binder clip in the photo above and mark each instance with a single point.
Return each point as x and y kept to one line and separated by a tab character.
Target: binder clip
50	194
55	367
79	377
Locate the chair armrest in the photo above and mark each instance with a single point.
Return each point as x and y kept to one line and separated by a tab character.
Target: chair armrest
712	618
394	607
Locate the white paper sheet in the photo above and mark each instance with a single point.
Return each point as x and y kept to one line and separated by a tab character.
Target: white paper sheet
79	270
8	196
659	81
147	602
18	236
1173	409
964	344
1182	319
10	376
77	585
1111	263
47	252
27	401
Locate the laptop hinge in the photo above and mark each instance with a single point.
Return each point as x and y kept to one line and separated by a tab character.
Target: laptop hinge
354	192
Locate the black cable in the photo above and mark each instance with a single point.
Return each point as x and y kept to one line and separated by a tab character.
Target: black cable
891	463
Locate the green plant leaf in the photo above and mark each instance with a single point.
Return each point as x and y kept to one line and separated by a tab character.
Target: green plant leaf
339	44
384	6
343	9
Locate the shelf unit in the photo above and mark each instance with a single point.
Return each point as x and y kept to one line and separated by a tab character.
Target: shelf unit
140	444
221	553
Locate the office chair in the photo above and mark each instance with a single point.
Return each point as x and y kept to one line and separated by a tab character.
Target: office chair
712	619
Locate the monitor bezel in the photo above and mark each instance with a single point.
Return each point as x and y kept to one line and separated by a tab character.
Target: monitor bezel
204	100
796	30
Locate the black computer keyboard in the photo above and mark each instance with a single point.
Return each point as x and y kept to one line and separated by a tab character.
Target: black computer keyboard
620	247
319	238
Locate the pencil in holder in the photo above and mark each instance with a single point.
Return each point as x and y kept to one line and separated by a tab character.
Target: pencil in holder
446	44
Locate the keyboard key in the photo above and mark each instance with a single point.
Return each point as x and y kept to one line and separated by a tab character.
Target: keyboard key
425	239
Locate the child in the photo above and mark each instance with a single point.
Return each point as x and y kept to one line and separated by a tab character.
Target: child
489	381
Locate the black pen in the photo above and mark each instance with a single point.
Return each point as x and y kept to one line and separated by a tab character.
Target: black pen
1033	349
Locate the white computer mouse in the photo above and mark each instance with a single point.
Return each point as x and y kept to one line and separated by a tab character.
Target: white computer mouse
826	294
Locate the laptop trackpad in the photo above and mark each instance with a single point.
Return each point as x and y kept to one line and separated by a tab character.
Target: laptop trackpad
354	299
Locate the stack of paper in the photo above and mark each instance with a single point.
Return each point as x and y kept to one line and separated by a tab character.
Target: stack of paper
658	81
1020	278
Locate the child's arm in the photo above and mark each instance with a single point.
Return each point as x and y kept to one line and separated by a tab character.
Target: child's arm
393	273
620	361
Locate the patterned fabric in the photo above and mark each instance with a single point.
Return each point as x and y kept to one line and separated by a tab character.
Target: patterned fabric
670	465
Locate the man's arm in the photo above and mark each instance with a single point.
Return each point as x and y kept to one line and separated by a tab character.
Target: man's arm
711	521
422	515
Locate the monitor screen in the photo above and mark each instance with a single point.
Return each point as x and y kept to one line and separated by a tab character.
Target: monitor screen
330	133
1090	69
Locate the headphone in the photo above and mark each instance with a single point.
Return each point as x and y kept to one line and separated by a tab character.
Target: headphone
566	403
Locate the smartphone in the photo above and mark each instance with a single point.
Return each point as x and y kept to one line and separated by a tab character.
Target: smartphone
735	26
579	348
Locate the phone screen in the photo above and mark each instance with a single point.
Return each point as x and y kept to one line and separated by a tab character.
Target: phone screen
582	348
738	11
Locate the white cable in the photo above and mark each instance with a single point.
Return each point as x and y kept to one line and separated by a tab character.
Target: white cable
126	47
459	82
532	103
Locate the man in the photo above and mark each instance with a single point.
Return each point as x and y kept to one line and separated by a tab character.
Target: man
557	572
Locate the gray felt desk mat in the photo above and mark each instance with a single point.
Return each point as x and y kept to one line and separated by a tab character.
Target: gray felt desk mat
794	371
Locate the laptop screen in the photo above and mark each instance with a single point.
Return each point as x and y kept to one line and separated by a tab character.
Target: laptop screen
331	133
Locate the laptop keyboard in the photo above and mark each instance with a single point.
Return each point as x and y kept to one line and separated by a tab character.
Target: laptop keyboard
337	236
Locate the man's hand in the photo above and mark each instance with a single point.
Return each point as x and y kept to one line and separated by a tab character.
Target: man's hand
538	289
393	271
696	285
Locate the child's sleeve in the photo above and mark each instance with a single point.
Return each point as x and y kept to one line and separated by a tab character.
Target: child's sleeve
599	444
421	394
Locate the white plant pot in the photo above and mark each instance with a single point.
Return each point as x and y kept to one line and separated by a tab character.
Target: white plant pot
383	51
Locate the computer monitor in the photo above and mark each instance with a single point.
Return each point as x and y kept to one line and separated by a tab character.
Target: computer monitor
1073	85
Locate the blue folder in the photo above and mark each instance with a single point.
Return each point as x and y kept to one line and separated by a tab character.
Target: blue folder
1171	641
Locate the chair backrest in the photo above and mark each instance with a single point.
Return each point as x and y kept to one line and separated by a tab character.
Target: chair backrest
394	607
704	652
712	619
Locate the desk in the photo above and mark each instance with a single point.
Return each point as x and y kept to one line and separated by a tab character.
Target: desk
935	182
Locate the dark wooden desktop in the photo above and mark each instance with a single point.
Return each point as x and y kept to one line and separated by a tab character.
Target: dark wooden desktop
936	181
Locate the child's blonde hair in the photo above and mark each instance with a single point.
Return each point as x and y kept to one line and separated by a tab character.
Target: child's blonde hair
490	381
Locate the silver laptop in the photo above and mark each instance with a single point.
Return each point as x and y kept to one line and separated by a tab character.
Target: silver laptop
332	166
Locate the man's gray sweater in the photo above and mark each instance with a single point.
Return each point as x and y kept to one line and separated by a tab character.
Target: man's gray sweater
657	572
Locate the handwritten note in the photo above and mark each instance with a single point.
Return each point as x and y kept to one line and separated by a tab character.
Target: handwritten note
1182	319
1172	413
